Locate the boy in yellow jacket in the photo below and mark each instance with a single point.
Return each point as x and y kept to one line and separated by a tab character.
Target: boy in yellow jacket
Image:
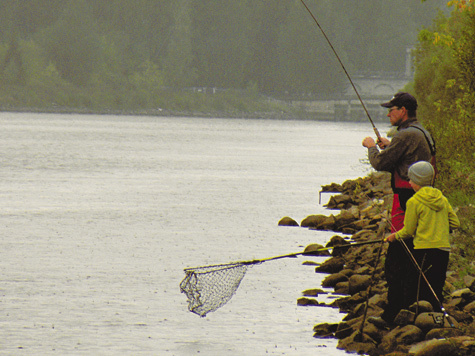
429	219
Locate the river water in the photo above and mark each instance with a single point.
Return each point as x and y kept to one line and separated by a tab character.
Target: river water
100	215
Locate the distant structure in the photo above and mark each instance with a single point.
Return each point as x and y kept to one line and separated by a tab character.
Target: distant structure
377	84
372	87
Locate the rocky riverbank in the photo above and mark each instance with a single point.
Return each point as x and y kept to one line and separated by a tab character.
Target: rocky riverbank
356	275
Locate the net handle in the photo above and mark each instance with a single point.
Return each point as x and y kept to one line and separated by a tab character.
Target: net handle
311	253
304	253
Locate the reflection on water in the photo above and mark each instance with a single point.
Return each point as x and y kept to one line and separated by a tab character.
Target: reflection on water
101	214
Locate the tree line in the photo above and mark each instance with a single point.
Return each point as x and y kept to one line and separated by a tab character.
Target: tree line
444	85
126	54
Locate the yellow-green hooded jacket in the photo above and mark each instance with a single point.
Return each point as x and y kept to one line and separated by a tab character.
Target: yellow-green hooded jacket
428	219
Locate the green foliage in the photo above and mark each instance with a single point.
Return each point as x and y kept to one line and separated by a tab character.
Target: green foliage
147	81
178	64
445	87
463	253
72	43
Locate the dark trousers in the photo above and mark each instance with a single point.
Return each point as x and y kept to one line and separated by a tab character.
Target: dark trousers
433	263
398	270
406	284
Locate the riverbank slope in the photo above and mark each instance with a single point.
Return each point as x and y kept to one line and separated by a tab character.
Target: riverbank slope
356	275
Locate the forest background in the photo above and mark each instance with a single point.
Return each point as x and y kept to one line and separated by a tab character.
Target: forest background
239	58
148	54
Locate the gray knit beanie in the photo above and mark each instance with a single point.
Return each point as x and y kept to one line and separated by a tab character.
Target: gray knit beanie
421	173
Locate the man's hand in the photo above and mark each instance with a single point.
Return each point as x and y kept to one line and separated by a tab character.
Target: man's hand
368	142
383	142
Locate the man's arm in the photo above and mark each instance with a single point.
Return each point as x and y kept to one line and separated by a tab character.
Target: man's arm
387	159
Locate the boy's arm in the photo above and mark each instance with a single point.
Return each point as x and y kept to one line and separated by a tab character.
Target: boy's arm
410	221
454	221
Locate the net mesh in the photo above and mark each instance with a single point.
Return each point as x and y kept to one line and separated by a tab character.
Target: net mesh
210	287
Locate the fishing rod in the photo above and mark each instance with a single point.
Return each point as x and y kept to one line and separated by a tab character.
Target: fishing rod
344	69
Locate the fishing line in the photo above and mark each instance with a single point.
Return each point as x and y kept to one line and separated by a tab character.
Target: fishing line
344	69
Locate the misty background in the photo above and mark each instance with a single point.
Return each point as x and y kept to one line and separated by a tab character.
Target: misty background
79	51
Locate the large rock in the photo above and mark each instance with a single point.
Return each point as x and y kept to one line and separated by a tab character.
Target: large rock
313	292
313	221
337	240
401	335
347	272
307	302
372	310
422	306
358	283
434	348
443	333
342	288
379	299
333	188
454	346
344	330
340	201
332	265
328	223
324	330
346	304
333	279
469	282
465	293
287	221
357	342
315	250
470	308
429	321
346	217
340	245
364	235
404	317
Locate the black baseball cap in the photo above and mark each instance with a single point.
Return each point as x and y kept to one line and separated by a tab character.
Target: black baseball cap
402	100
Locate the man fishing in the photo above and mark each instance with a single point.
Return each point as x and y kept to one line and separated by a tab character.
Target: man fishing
411	143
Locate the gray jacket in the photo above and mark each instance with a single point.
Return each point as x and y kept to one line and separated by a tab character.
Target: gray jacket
409	145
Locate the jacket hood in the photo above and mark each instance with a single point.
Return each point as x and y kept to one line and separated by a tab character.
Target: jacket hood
430	197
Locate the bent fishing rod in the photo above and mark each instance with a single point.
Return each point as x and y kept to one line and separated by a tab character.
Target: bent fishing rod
344	69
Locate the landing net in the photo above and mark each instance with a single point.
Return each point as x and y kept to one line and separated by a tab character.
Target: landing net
210	287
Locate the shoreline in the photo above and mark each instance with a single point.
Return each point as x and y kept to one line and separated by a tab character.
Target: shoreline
159	112
357	276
